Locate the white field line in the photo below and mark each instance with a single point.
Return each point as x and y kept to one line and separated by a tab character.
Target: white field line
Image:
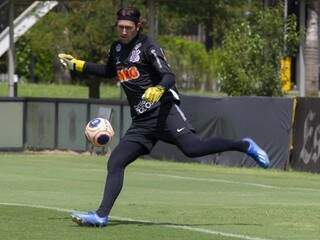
212	180
183	227
230	182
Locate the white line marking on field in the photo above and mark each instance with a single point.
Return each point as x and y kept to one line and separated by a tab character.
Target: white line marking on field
303	189
222	181
195	229
212	180
231	182
36	206
184	227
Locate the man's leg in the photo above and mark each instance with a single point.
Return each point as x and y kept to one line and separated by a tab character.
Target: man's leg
192	146
125	153
180	132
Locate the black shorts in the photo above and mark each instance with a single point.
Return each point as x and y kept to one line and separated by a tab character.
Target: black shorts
166	123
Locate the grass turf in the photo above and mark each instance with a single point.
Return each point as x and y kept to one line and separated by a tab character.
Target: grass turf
107	91
59	91
177	201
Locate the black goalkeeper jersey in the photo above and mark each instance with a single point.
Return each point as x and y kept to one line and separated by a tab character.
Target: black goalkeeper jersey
137	66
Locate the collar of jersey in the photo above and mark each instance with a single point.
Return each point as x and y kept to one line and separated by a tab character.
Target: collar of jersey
133	42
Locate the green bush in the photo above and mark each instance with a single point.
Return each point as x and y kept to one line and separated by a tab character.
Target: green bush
189	60
83	29
42	62
251	53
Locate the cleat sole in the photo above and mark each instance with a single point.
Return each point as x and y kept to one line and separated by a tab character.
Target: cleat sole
81	223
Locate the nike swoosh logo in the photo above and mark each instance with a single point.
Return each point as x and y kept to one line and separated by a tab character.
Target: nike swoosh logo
180	129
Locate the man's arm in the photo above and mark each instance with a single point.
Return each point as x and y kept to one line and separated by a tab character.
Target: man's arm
160	65
101	70
159	62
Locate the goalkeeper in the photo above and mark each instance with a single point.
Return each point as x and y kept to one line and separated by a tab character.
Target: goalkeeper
140	66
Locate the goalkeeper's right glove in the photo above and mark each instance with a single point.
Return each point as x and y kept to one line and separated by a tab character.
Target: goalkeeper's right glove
153	94
71	63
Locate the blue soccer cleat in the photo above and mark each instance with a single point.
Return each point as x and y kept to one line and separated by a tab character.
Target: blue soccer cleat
257	153
90	219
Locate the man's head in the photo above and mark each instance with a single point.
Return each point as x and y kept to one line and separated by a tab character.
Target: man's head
128	24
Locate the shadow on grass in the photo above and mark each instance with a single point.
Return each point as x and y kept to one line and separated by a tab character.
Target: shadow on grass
113	223
145	223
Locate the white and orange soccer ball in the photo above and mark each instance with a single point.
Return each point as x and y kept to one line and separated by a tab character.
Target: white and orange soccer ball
99	132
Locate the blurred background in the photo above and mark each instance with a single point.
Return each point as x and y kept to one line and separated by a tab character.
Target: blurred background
245	68
245	47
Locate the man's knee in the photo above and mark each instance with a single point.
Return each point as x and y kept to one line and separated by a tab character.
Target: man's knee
190	152
189	145
114	164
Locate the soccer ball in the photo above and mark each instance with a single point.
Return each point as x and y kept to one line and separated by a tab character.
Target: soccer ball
99	132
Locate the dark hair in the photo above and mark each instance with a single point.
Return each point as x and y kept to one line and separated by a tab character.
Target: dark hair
129	13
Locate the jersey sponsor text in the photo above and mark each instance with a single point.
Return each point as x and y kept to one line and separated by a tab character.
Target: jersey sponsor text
127	74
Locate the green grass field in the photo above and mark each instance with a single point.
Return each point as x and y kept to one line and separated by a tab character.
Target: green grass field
107	91
160	200
59	91
76	91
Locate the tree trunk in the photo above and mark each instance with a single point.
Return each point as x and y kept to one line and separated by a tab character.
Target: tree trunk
270	3
312	58
152	18
208	35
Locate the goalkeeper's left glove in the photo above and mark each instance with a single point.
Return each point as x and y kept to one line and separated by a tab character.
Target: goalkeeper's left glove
71	63
153	94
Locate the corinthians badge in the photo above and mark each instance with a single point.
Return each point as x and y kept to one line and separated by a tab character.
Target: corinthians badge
135	55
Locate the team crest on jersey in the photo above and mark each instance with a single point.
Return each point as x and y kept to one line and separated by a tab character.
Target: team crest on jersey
118	47
135	56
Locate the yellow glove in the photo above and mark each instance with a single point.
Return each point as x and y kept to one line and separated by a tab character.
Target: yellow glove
153	94
71	63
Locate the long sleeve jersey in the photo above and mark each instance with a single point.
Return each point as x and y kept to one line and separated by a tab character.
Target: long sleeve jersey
138	65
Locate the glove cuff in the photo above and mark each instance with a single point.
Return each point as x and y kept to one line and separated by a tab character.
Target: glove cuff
162	88
79	65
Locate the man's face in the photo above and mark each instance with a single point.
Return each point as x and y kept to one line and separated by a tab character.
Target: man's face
127	30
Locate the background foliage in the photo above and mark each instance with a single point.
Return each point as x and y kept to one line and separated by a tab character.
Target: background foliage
190	61
251	53
83	29
240	54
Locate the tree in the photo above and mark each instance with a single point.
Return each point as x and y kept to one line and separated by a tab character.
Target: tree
213	15
189	60
251	53
312	57
81	28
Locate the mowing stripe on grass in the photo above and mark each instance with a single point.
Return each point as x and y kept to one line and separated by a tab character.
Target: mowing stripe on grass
231	182
194	229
